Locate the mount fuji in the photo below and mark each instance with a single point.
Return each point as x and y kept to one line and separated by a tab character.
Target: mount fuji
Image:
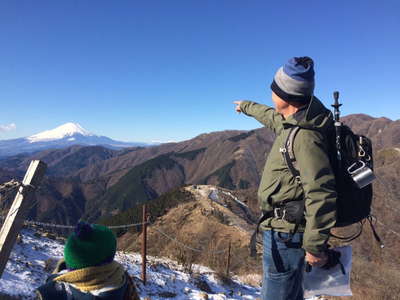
63	136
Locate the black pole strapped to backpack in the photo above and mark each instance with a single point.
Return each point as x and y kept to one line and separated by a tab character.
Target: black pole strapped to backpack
338	124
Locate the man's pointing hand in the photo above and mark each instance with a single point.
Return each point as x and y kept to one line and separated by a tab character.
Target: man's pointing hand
237	108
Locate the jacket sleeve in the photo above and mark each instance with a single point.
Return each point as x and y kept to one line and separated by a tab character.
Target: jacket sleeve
264	114
318	183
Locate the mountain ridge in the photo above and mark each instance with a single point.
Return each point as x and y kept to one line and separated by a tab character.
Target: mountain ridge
232	159
60	137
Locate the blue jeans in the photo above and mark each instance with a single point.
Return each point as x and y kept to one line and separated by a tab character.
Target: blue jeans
283	265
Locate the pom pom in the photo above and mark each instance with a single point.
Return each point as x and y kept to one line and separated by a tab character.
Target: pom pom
304	61
83	230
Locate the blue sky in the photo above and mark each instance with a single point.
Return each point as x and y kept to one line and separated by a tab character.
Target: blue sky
169	70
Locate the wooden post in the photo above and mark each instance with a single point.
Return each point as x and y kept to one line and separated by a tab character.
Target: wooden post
229	259
144	244
19	209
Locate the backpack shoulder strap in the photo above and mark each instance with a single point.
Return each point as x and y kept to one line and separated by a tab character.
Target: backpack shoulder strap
288	153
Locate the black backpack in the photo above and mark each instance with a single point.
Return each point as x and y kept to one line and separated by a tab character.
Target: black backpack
351	161
353	203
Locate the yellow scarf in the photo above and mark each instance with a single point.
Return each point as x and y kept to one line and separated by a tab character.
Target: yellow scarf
95	278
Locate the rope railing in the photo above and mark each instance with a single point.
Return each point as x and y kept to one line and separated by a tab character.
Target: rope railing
36	223
72	226
389	229
10	185
48	225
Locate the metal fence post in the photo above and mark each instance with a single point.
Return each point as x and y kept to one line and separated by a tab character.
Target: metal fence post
144	244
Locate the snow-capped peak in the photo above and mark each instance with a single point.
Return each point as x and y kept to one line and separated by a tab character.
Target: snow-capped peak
66	130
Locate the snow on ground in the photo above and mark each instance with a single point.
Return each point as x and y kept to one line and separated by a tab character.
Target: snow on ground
26	270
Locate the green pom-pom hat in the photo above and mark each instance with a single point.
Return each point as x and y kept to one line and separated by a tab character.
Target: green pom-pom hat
90	245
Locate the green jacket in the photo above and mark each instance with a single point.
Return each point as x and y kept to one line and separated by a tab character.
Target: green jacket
318	182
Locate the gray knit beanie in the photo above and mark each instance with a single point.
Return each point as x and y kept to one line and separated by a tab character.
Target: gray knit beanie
294	82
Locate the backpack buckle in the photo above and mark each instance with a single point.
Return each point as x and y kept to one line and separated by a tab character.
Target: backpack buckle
280	213
282	150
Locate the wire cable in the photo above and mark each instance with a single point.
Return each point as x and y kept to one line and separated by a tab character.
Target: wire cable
185	246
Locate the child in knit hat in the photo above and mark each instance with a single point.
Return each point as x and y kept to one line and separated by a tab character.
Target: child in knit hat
88	270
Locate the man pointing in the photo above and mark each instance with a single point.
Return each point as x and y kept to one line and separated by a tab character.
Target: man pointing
298	211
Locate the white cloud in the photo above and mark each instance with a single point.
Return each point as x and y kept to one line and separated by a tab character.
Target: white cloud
8	127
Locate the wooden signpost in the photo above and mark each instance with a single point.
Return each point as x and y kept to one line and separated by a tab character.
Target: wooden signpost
19	210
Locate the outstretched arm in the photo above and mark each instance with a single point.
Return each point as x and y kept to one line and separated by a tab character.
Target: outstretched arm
264	114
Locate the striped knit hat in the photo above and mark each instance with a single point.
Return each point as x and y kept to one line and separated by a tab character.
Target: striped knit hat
294	82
